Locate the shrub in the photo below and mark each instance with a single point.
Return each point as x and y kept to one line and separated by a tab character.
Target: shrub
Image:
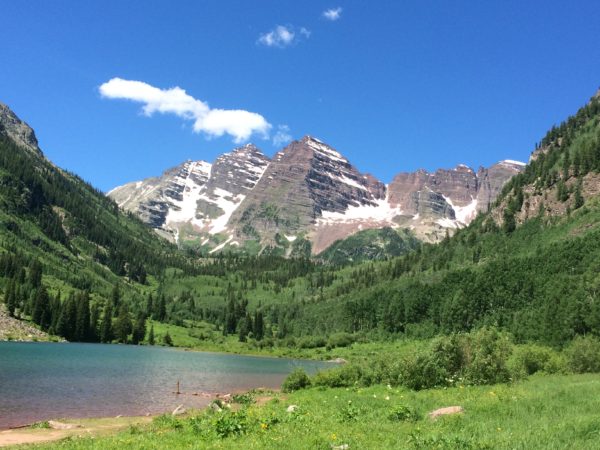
489	352
231	424
340	340
244	399
349	413
421	371
344	376
296	380
583	354
311	342
403	413
529	359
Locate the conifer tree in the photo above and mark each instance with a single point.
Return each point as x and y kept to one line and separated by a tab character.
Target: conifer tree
82	321
167	340
139	330
123	325
106	330
578	200
151	336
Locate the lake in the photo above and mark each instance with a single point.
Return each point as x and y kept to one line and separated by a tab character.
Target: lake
41	381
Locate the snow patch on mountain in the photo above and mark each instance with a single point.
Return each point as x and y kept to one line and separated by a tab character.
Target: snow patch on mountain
381	212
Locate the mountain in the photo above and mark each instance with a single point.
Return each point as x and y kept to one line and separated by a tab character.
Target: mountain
60	236
304	199
528	267
18	131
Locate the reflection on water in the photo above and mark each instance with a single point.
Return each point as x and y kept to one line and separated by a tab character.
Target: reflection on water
40	381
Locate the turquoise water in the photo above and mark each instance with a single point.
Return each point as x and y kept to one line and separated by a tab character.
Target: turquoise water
40	381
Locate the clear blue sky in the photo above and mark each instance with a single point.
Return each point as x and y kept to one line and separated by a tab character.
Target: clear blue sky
394	85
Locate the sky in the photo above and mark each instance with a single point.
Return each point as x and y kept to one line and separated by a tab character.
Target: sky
119	91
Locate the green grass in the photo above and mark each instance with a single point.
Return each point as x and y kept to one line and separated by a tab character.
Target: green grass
544	412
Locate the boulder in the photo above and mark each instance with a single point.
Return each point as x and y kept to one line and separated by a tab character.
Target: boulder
446	411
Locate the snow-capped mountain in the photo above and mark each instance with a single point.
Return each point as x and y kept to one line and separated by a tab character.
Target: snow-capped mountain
308	193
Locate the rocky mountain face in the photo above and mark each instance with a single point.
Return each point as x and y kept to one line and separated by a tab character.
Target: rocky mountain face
309	195
17	130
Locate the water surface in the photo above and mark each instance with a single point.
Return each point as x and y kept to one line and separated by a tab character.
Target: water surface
40	381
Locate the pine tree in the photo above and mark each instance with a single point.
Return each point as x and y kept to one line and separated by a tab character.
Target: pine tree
94	319
161	315
123	325
151	336
150	306
259	326
115	298
10	298
82	321
35	273
509	221
139	330
106	330
578	201
562	193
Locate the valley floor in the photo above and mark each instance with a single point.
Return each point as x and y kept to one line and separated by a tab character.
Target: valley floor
546	411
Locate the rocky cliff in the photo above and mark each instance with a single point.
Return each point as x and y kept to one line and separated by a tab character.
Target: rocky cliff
309	192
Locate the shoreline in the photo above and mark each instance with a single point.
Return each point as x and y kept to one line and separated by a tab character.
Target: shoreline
64	428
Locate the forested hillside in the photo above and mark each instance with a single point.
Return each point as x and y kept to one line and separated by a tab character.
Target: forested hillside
66	248
530	266
533	275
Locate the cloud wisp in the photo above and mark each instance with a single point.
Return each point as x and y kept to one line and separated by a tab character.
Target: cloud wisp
333	14
237	123
282	136
283	36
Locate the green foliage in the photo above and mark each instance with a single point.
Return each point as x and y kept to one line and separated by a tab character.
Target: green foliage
404	413
531	358
298	379
346	375
379	244
167	340
228	423
349	412
583	354
246	398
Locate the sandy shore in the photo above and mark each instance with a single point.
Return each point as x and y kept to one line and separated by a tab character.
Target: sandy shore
80	428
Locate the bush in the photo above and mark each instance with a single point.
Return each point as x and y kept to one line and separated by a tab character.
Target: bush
583	354
231	424
421	371
340	340
344	376
244	399
311	342
529	359
489	352
403	413
296	380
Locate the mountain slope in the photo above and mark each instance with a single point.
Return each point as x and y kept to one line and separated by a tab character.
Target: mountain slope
308	196
60	236
534	276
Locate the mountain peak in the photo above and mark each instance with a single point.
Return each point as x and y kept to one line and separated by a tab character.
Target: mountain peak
17	130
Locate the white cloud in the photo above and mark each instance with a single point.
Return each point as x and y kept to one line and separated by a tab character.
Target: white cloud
282	136
283	36
333	14
237	123
305	32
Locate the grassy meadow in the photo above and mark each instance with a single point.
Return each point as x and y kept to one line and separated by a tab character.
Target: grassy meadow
543	412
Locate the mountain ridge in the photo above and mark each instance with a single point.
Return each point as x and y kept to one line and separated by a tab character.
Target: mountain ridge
307	191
